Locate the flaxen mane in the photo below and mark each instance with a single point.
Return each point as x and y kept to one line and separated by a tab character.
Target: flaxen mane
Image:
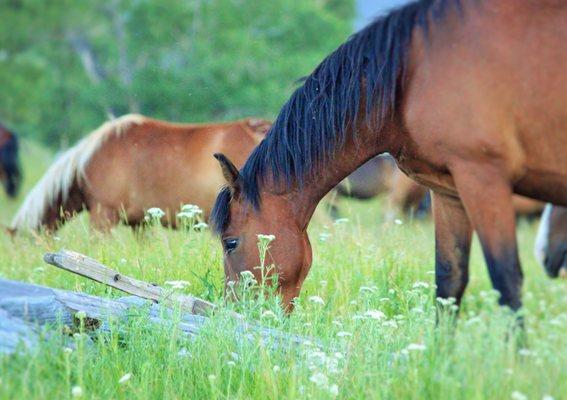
369	67
54	187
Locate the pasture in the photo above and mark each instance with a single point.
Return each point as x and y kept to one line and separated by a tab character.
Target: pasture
368	302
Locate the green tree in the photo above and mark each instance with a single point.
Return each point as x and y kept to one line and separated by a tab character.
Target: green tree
66	65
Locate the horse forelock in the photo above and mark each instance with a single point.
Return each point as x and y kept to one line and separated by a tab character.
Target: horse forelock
369	69
70	167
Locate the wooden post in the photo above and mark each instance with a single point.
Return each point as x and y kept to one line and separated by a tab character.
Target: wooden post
85	266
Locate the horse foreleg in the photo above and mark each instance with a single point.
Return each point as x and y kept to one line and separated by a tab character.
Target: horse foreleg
103	218
487	196
453	234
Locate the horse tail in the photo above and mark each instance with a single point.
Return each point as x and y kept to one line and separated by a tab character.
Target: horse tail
59	193
11	165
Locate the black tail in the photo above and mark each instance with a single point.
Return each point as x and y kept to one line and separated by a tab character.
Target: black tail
10	163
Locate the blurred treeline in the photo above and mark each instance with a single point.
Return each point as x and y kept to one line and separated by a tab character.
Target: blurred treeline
67	65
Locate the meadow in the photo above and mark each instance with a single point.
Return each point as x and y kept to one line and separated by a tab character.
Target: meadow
368	303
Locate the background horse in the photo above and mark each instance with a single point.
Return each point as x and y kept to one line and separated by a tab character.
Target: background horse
470	97
10	173
133	163
551	241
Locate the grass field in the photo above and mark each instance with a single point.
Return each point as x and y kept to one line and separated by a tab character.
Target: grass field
374	317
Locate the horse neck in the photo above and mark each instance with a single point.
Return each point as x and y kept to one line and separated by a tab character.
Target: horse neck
356	151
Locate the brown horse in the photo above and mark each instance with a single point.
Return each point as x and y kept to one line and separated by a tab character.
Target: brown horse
133	163
551	242
10	173
470	97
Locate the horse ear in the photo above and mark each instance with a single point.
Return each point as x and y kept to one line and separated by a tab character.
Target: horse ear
230	172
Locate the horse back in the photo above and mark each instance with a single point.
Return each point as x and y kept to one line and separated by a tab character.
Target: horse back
160	164
489	85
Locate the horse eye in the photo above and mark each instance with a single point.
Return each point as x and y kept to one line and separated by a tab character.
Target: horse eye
230	244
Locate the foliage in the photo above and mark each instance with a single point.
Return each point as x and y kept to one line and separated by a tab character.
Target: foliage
66	65
369	301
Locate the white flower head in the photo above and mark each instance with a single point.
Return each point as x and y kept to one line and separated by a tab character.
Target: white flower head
319	379
398	221
125	378
375	314
80	315
191	210
317	300
416	347
177	284
200	226
344	334
276	368
420	285
268	314
266	239
77	391
155	213
516	395
334	390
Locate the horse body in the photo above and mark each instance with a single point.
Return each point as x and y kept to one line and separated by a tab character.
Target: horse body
470	97
134	163
10	173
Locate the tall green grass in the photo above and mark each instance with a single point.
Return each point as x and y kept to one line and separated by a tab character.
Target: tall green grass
368	303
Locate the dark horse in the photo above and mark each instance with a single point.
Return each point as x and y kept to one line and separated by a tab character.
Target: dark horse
10	173
470	98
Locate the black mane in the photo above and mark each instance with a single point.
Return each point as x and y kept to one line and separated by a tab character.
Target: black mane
311	127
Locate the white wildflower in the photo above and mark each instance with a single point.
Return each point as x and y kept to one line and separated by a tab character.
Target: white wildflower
319	379
67	350
324	236
370	289
420	285
343	334
415	347
516	395
77	391
268	314
80	315
525	352
191	210
154	213
334	390
266	238
200	226
398	221
446	302
177	284
211	377
276	369
125	378
316	300
375	314
390	323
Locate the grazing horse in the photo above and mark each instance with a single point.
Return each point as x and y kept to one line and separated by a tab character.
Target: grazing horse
10	173
551	241
133	163
469	97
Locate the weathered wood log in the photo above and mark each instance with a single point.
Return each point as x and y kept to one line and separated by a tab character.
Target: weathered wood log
90	268
24	307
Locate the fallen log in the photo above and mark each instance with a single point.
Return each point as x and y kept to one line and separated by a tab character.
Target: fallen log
24	307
